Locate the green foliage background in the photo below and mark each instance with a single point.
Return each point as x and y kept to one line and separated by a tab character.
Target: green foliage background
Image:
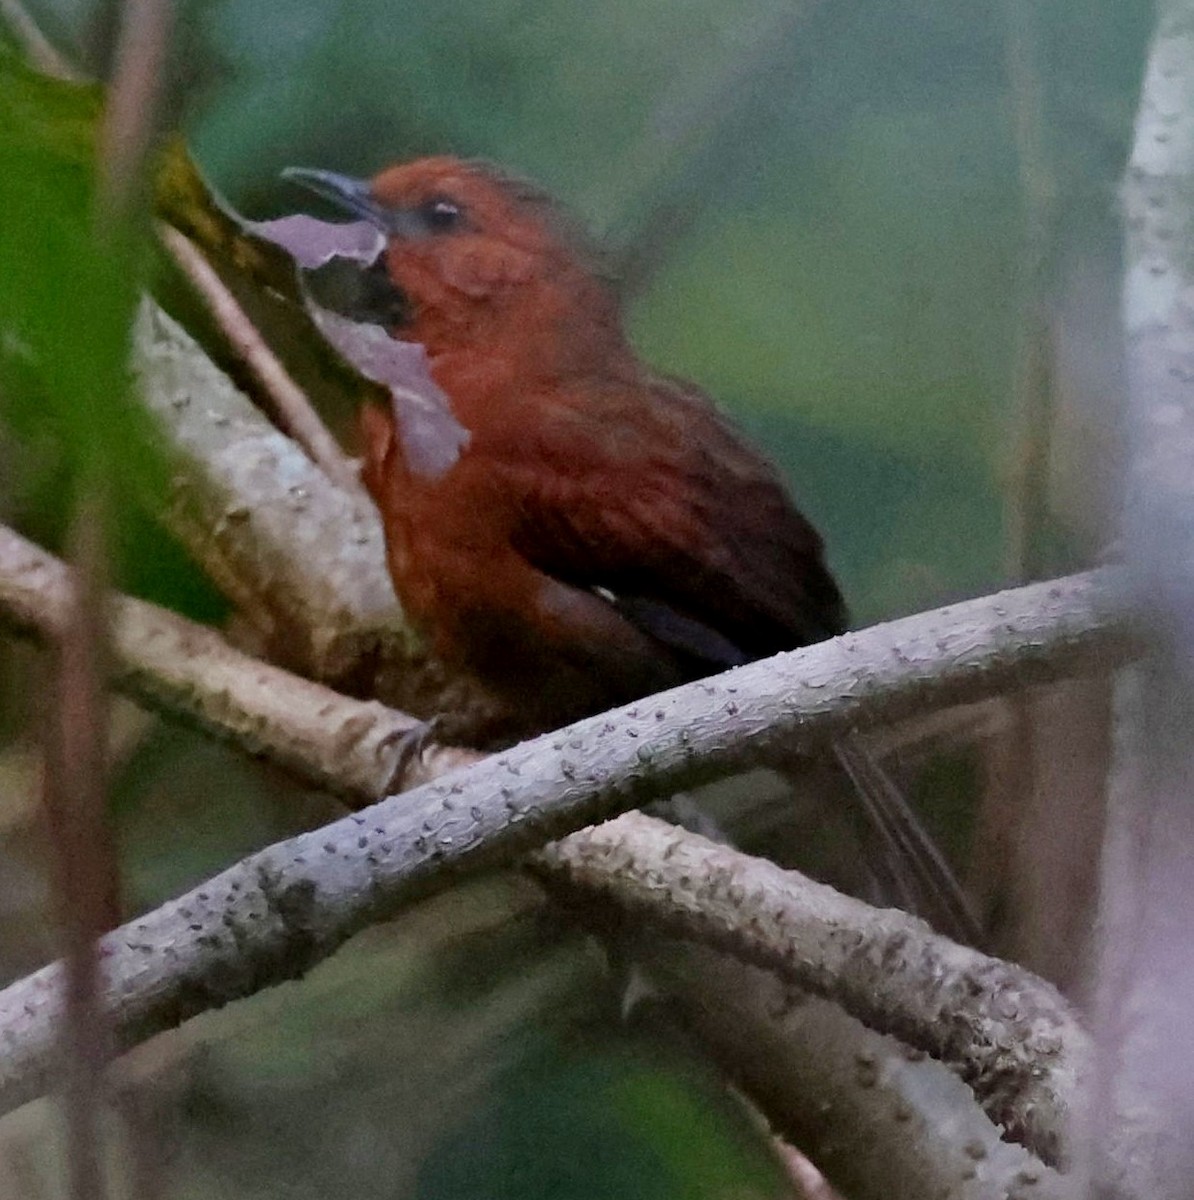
841	267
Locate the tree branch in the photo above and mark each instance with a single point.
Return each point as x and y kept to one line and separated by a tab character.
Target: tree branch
1143	1100
292	410
260	515
190	673
883	1124
38	49
301	558
275	914
1006	1032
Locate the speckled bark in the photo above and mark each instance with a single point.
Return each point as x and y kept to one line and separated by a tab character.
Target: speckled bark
882	1124
285	908
1006	1032
304	562
191	674
258	514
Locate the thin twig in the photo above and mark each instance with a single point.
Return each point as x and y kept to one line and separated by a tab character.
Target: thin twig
1026	507
131	102
292	411
37	47
84	859
696	140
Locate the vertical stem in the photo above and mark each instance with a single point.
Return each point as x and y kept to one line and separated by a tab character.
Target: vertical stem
1026	493
1005	863
1144	1098
1043	804
132	102
84	873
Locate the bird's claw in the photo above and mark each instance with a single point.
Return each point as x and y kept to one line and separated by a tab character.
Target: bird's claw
408	753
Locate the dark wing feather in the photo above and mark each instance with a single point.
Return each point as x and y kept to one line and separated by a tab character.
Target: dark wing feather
689	534
685	527
689	638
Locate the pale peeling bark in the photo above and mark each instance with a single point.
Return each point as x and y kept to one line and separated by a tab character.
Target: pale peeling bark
301	558
1144	1104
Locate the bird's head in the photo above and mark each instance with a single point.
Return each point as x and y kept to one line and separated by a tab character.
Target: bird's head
479	258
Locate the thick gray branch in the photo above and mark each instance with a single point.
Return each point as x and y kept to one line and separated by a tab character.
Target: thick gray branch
280	911
304	561
1144	1124
1005	1031
258	513
782	1047
954	655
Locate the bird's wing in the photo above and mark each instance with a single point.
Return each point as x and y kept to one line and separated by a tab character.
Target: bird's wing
667	513
689	534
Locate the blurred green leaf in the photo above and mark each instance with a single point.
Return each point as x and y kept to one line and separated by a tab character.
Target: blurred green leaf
66	292
69	286
612	1119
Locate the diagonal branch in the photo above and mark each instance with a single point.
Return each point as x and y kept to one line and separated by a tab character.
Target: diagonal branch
275	914
191	674
292	411
873	1116
38	49
1005	1031
786	705
302	559
279	911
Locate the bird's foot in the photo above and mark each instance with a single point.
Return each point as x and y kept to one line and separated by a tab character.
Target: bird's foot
408	754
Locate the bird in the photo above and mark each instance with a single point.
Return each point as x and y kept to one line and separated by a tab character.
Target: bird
577	530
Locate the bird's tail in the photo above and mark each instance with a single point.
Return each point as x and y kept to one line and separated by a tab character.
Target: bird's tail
908	864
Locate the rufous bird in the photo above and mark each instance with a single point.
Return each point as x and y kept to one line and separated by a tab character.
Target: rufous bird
585	531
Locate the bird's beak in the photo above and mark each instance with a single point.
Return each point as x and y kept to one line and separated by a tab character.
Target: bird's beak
354	196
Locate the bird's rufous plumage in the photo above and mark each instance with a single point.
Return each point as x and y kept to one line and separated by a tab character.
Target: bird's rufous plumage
600	531
604	533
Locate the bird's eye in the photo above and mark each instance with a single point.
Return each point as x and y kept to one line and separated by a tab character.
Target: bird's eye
441	214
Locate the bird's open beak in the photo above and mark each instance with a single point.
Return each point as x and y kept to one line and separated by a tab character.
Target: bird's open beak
356	198
351	195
